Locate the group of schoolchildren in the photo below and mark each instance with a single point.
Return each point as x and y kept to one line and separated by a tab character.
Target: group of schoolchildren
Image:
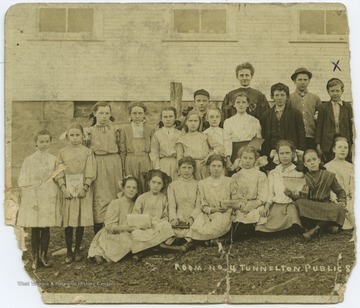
198	177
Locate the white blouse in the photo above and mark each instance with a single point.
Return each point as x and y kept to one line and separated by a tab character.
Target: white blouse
240	127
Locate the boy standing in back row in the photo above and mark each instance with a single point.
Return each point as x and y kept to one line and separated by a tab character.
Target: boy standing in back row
334	120
307	103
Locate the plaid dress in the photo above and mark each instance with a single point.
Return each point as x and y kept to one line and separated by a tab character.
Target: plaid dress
318	205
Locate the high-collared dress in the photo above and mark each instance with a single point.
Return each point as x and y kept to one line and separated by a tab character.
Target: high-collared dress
156	206
104	141
238	131
184	203
212	226
283	213
250	185
135	149
78	161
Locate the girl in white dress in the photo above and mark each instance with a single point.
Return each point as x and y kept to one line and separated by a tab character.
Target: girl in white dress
213	116
184	205
240	129
153	203
279	209
249	187
214	220
40	204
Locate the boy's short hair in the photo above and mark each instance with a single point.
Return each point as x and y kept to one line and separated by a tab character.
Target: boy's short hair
279	87
334	82
245	66
42	132
202	92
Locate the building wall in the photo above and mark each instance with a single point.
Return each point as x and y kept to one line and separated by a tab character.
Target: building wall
131	58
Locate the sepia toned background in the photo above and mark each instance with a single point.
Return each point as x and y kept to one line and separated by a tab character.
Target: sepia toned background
63	58
53	81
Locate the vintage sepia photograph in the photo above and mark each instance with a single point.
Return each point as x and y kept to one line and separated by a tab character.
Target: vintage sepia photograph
181	152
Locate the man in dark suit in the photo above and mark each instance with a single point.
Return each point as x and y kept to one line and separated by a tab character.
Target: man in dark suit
282	121
335	120
258	103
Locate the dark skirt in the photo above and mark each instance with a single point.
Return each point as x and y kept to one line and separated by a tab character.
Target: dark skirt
324	211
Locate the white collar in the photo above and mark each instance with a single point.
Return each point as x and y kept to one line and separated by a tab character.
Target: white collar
340	103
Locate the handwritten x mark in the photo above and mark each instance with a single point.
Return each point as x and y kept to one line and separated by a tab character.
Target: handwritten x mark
336	65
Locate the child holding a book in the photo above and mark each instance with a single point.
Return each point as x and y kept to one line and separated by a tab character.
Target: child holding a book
279	209
154	204
75	182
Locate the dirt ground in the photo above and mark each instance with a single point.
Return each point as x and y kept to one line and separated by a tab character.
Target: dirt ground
281	264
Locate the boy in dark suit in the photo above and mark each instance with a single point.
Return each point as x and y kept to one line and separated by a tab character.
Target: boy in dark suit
282	121
335	120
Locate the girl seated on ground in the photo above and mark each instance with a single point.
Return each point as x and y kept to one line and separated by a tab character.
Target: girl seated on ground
154	204
184	205
214	220
113	242
316	210
249	188
279	209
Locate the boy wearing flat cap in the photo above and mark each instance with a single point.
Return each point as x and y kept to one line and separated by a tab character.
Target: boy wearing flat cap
258	103
201	102
307	103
